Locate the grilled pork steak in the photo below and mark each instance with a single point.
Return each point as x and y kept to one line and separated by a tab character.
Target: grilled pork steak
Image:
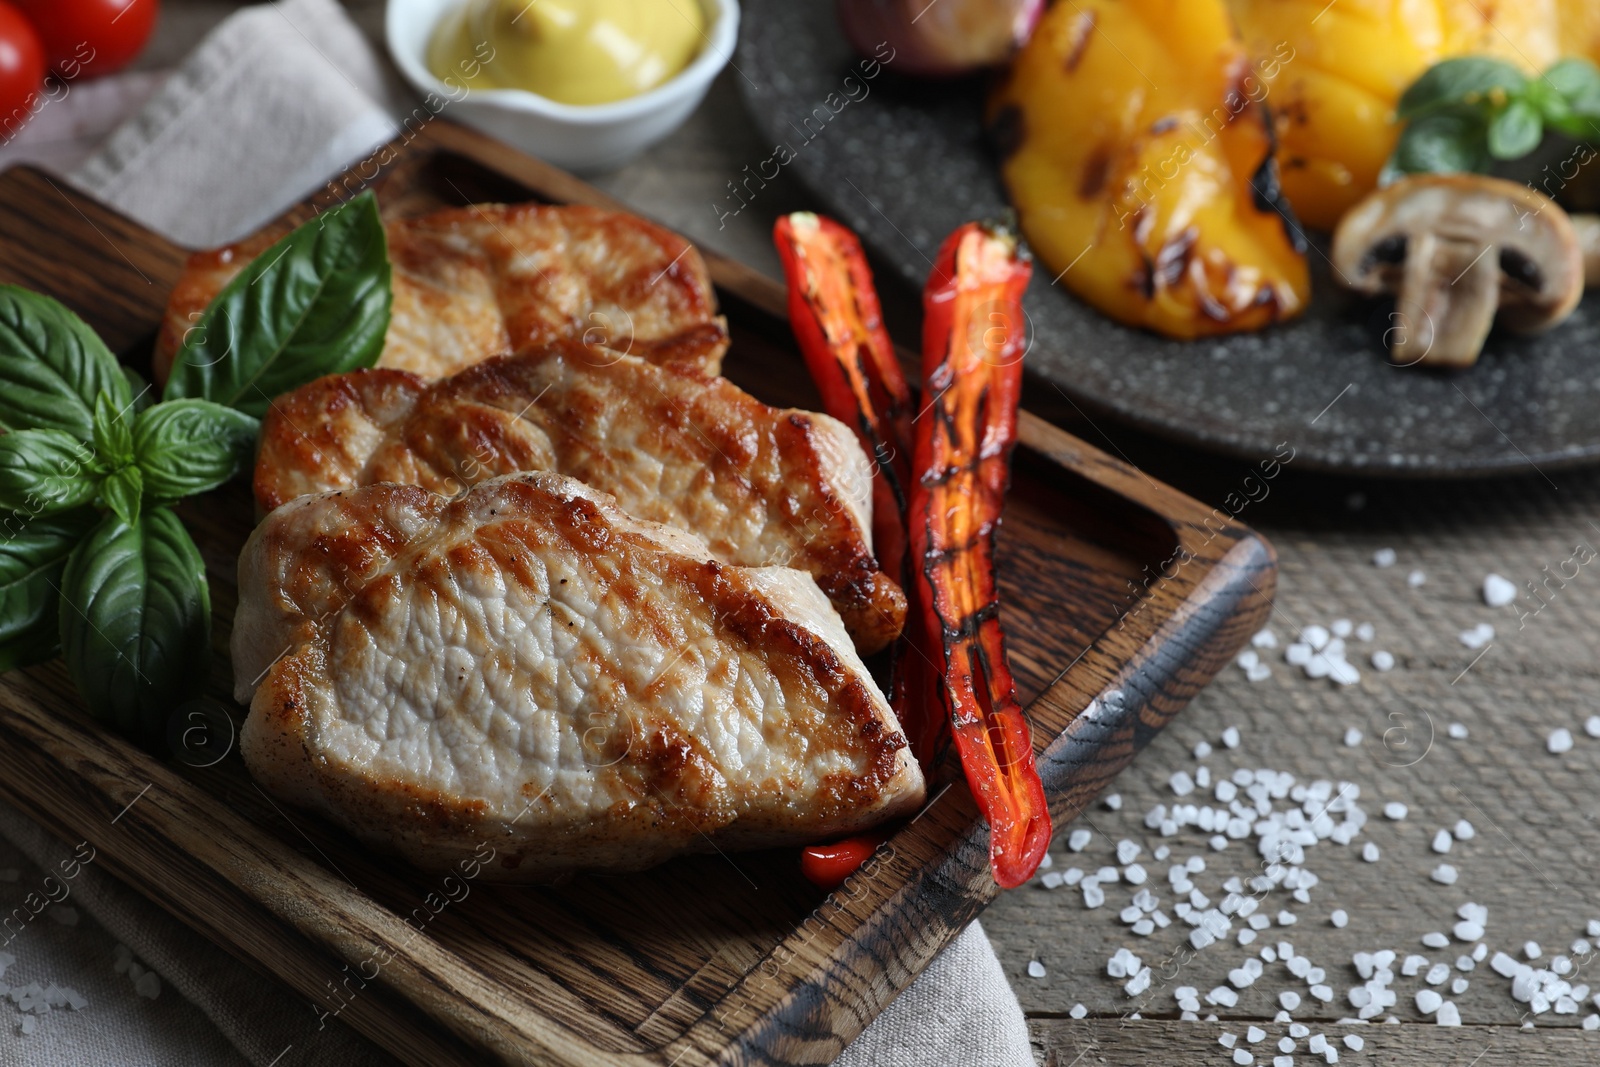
526	666
484	280
762	486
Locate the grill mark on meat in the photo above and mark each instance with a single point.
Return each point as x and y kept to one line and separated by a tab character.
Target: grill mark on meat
761	486
832	756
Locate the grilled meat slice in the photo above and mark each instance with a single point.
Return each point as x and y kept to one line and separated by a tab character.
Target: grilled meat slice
760	485
528	668
480	281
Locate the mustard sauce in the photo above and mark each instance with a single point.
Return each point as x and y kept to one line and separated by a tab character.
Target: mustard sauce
571	51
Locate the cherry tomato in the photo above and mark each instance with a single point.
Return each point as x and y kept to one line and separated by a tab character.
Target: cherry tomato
21	70
88	38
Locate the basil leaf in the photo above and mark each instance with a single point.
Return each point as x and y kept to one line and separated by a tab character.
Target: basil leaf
1443	143
43	472
1578	80
1462	80
189	446
122	491
143	396
136	622
315	303
52	366
1515	131
32	557
113	437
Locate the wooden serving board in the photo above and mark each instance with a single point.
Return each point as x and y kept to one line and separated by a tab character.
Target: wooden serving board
1122	597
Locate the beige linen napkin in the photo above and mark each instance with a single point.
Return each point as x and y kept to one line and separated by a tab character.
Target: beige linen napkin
276	101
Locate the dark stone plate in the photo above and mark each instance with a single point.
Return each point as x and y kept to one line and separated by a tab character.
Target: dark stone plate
906	162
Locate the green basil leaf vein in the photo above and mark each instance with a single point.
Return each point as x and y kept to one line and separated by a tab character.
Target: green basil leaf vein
191	446
122	491
113	433
33	555
135	619
44	472
315	303
53	368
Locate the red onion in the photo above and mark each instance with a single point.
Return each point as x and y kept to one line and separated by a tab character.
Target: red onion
938	38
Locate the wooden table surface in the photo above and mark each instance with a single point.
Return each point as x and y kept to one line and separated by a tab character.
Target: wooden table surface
1535	858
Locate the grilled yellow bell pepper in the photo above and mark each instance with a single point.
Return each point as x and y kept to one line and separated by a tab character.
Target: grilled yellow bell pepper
1333	99
1139	160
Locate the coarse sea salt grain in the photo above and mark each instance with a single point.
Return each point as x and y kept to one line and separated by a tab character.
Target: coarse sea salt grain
1435	940
1035	969
1352	737
1078	1011
1591	726
1457	731
1264	639
1384	557
1369	852
1560	741
1442	841
1498	591
1464	831
1079	840
1394	810
1444	874
1478	636
1416	579
1382	660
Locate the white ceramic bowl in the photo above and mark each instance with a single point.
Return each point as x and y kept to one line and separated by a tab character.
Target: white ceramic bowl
584	138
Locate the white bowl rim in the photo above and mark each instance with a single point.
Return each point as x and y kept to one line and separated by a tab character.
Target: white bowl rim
716	54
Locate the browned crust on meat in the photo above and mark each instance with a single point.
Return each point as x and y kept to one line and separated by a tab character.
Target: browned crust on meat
599	418
677	797
484	280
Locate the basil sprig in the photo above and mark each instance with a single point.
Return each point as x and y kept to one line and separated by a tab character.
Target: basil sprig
1467	113
315	303
137	632
94	563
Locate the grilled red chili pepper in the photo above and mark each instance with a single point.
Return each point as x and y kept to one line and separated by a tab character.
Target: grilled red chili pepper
836	317
834	311
973	340
829	865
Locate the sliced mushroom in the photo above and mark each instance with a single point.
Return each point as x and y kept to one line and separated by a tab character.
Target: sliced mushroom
1456	249
1588	230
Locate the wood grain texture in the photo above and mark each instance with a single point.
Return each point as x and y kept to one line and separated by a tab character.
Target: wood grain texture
1130	1043
1122	598
1535	859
